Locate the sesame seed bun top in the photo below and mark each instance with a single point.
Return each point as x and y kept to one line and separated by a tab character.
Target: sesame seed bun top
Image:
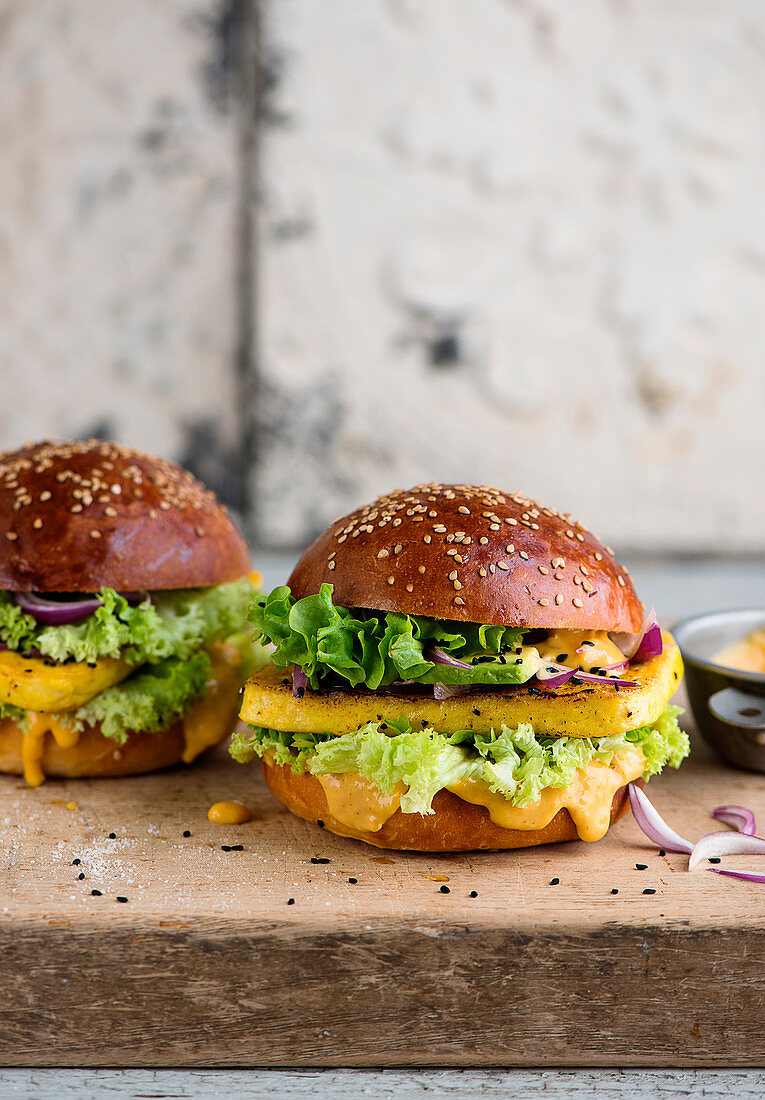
78	516
474	554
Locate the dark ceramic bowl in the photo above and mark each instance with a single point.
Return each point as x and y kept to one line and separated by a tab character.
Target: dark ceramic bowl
728	704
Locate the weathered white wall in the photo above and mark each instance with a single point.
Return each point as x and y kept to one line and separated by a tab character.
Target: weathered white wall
118	257
518	242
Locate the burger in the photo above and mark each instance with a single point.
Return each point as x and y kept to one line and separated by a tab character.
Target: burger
456	668
123	589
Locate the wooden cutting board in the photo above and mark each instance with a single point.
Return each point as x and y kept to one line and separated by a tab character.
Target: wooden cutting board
207	963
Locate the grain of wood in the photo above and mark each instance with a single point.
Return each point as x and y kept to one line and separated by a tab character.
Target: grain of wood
207	964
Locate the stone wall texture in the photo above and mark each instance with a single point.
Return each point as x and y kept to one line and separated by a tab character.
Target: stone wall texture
522	243
509	241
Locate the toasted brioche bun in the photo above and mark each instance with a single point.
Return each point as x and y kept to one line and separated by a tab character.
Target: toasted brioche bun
474	554
455	825
79	516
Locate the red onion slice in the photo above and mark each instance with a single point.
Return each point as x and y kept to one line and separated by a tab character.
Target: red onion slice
738	817
299	682
439	657
553	675
725	844
747	876
51	612
448	691
653	824
643	646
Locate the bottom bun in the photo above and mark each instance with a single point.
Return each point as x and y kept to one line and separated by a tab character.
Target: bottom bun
455	825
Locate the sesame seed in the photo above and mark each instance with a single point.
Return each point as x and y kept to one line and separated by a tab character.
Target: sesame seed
109	511
559	598
569	534
584	570
577	602
37	524
494	527
510	548
11	536
427	539
383	553
452	552
580	537
543	602
558	563
410	588
420	568
459	600
457	585
440	528
332	565
543	569
397	548
465	511
620	581
598	556
512	522
523	554
483	540
503	565
482	572
45	495
391	580
453	575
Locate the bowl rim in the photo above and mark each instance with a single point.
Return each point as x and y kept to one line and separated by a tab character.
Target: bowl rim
713	666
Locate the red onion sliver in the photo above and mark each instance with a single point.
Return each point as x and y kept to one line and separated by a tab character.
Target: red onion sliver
725	844
738	817
747	876
448	691
653	824
553	675
299	682
52	612
439	657
643	646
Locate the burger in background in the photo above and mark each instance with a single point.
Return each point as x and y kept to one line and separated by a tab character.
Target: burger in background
457	668
123	590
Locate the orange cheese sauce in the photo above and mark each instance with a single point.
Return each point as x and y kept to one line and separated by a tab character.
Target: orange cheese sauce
584	649
230	812
356	802
33	743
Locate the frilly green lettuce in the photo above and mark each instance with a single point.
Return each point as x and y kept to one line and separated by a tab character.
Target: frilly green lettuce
513	762
175	624
376	648
149	701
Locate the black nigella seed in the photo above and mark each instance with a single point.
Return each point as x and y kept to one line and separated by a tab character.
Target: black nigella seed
320	823
187	832
714	859
96	893
112	836
81	875
290	901
353	880
641	866
225	847
476	711
662	852
474	893
120	898
76	862
614	890
444	889
648	890
319	859
554	881
561	658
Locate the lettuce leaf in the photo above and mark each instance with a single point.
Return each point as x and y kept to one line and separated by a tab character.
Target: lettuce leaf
150	700
513	762
174	624
376	648
17	714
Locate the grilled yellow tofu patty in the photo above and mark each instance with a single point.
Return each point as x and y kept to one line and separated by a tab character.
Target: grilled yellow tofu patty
575	710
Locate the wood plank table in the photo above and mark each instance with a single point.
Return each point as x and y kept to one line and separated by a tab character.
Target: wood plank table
207	963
